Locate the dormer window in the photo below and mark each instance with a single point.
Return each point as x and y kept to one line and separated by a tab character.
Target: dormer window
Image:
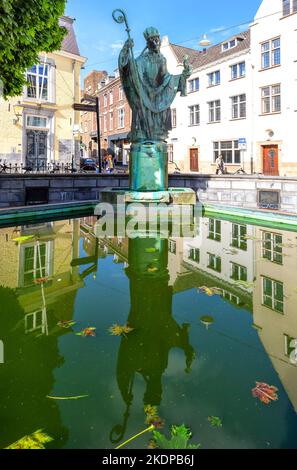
229	45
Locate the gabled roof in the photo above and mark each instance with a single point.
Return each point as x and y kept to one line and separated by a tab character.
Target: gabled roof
212	54
69	43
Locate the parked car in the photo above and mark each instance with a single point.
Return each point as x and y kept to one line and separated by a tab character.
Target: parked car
87	164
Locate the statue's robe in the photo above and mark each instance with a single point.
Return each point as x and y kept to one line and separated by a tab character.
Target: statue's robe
150	91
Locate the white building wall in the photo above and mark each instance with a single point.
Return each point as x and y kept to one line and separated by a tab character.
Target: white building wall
269	23
184	137
223	249
273	129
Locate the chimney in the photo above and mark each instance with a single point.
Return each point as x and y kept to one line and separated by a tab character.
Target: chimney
165	41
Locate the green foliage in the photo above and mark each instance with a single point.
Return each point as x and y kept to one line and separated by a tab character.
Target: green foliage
215	421
26	29
32	441
180	436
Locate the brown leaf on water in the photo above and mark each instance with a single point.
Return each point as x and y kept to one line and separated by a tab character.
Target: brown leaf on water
266	393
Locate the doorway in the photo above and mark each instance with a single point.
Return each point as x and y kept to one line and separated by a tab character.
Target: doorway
270	160
194	165
36	157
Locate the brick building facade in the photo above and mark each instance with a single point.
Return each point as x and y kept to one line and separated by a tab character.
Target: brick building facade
115	117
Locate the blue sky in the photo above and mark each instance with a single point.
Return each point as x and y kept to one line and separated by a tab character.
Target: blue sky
100	38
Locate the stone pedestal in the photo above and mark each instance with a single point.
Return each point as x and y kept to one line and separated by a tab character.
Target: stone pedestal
149	167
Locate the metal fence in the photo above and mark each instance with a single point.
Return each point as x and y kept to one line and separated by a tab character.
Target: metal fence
51	168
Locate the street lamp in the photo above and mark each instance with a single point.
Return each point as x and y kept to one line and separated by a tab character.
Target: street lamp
17	108
205	42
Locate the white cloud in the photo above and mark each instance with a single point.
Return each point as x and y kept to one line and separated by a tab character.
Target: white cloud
217	30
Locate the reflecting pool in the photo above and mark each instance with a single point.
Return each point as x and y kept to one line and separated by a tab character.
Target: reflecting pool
211	327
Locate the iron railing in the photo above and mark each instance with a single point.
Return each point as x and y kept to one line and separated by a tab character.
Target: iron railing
20	168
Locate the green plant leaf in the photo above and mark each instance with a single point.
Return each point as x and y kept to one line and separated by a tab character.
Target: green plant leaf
180	436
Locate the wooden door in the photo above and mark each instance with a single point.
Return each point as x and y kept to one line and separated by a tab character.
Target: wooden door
194	159
270	160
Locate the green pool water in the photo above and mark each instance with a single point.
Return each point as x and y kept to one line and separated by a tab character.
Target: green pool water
210	316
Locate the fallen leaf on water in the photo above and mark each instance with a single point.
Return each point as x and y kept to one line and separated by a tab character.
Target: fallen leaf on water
266	393
152	269
40	280
35	440
66	323
87	332
151	250
215	421
67	398
118	330
23	238
152	417
210	291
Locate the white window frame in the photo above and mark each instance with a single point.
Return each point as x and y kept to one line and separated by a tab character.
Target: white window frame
172	246
170	150
194	116
220	149
229	44
238	106
28	126
240	71
111	120
242	272
273	296
214	111
121	118
194	254
105	122
214	78
269	50
121	93
193	85
35	325
50	82
217	261
105	100
289	7
173	117
214	230
272	251
48	266
270	99
110	97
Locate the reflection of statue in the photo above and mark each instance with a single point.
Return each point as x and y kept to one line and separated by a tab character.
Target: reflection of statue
146	349
150	90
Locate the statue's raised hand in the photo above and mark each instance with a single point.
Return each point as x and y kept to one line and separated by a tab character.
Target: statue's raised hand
129	44
187	67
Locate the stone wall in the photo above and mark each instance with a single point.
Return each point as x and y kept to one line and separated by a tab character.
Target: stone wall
240	191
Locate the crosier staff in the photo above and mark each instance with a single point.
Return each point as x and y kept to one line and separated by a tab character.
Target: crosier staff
120	17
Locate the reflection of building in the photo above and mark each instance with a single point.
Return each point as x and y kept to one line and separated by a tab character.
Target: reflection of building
38	289
221	255
39	268
275	299
37	128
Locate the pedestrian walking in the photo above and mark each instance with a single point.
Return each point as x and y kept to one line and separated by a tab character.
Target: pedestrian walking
220	165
